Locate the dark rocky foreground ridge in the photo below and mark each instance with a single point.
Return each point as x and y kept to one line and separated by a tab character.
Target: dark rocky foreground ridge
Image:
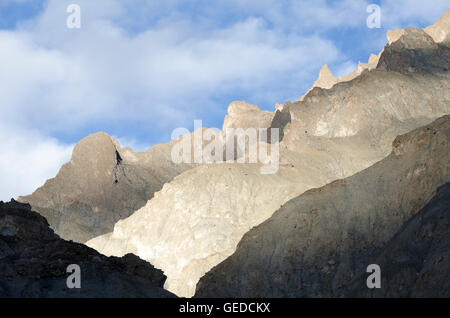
320	243
34	260
417	259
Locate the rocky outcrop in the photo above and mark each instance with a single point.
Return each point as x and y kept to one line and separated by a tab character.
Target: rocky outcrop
415	51
244	115
394	35
320	243
439	32
326	78
102	184
34	261
197	220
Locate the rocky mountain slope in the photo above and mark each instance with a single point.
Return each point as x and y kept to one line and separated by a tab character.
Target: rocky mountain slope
102	184
34	260
320	243
197	220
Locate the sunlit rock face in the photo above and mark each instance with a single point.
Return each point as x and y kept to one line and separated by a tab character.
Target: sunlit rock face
441	29
320	243
198	219
244	115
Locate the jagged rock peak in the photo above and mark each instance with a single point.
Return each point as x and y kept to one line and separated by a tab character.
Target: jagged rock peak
439	31
414	38
326	78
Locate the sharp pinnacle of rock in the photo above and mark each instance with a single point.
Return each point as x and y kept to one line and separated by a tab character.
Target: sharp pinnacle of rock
326	78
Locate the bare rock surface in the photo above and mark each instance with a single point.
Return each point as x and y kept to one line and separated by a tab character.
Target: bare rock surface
315	245
198	219
34	261
102	184
244	115
326	78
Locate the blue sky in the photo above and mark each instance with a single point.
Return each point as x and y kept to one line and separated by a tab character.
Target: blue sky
139	69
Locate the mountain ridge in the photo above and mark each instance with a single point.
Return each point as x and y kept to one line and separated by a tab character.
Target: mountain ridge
331	134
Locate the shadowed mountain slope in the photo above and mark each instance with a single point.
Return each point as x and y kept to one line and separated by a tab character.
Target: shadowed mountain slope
416	261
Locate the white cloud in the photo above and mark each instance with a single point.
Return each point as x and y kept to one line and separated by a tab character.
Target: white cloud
27	160
59	79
